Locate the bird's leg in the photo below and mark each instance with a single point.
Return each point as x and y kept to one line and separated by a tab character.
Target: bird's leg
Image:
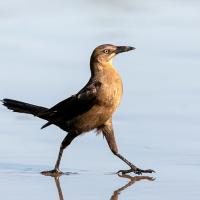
67	140
109	135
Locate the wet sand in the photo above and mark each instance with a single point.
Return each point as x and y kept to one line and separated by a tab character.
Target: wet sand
157	125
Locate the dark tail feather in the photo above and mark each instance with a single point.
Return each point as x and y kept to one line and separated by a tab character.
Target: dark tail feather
21	107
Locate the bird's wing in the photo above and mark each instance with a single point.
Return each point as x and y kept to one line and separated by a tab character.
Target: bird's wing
74	105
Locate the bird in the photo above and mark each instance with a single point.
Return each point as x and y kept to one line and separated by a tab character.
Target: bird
89	109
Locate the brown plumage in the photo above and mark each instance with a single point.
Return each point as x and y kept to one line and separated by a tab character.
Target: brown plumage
91	108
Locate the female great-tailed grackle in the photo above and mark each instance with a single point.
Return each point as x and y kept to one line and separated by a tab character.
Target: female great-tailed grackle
91	108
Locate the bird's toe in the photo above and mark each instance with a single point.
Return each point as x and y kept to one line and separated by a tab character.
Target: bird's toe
137	171
54	173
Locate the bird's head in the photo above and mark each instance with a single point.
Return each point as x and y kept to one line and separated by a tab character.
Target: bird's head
104	54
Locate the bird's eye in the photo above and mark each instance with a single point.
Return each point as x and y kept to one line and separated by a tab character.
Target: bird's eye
106	51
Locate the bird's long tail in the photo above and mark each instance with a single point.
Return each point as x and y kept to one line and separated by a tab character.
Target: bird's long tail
21	107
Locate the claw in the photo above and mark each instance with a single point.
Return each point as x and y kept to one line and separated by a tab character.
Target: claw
148	171
136	171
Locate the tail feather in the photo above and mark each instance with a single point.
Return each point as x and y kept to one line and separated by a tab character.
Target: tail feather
21	107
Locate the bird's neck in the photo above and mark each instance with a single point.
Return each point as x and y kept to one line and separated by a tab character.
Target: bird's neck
97	68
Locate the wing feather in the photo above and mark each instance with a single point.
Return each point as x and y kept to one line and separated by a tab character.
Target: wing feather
73	106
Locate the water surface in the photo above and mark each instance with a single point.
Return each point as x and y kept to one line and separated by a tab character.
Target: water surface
44	57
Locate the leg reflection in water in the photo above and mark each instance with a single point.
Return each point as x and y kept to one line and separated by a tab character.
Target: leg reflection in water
57	181
132	180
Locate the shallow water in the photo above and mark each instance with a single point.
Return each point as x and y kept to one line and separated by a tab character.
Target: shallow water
44	55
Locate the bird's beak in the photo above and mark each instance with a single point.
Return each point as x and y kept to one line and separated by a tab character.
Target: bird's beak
121	49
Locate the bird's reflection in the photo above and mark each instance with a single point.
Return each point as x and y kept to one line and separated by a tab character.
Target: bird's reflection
132	180
57	181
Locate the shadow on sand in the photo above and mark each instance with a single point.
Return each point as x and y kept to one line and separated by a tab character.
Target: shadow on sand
132	180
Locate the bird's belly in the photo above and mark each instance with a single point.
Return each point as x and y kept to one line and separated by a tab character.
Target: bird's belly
90	120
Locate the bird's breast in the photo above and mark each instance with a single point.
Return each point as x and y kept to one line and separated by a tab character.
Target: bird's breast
111	91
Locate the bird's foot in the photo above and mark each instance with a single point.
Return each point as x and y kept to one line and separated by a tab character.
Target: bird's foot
136	171
55	173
